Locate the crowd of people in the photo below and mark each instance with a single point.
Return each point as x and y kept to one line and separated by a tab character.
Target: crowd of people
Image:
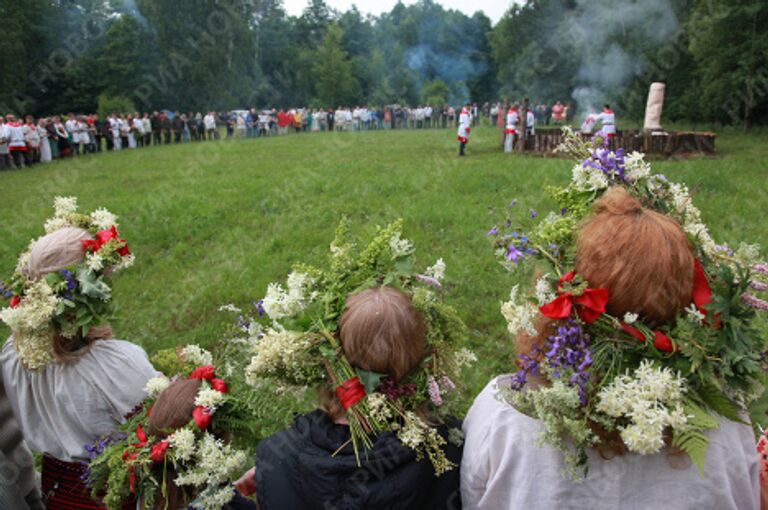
27	141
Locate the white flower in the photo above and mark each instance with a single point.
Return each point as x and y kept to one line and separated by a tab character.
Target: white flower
588	178
22	264
65	205
437	271
57	223
379	407
748	253
465	358
156	386
519	316
94	262
230	308
413	431
208	397
183	443
630	318
31	325
103	219
694	315
400	247
636	167
125	262
196	355
278	352
279	303
544	293
651	399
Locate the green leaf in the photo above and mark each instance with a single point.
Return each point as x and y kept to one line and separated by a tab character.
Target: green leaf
370	380
404	265
91	285
720	404
693	441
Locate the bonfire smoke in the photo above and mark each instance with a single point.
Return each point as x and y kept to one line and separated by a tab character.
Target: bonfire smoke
608	38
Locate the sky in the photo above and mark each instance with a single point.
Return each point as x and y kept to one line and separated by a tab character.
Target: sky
494	9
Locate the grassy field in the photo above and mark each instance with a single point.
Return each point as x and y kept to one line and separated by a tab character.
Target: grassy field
213	223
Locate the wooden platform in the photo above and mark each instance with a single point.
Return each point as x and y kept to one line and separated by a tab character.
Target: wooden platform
667	144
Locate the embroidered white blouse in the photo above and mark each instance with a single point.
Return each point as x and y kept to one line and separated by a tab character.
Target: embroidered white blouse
65	406
502	468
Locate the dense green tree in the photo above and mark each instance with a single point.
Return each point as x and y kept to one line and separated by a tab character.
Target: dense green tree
729	41
335	84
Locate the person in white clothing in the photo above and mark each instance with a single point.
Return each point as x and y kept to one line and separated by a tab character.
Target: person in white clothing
69	389
46	154
465	126
209	121
510	131
607	121
530	125
17	147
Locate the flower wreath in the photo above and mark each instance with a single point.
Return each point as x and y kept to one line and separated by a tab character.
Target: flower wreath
125	466
311	353
652	387
68	301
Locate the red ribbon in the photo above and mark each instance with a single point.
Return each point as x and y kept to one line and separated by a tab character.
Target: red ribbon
15	301
157	454
202	417
661	342
589	305
102	238
204	373
350	392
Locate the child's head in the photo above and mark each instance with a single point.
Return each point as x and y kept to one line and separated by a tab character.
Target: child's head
382	332
641	256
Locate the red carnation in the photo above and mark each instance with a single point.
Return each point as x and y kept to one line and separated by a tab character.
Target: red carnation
15	301
102	238
203	373
202	417
157	454
219	385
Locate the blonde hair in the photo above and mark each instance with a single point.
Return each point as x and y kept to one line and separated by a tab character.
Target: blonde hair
54	252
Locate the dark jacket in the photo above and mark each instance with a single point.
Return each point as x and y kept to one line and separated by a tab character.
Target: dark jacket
296	470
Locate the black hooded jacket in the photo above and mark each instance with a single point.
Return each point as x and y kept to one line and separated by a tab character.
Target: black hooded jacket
296	470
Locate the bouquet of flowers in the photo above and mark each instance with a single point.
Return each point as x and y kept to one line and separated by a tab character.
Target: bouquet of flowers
294	336
69	301
651	386
135	464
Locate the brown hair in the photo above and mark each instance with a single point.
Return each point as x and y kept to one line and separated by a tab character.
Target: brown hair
172	410
645	261
380	331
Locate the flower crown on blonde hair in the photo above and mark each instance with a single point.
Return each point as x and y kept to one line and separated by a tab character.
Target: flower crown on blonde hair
68	301
660	343
297	341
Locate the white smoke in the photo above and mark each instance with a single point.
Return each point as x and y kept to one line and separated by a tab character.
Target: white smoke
609	37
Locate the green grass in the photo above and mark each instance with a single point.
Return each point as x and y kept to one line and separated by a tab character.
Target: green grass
213	223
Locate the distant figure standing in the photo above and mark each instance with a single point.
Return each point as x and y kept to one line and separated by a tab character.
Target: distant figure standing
210	125
510	131
557	113
465	123
608	121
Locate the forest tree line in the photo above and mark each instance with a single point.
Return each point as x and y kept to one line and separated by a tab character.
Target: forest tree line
63	55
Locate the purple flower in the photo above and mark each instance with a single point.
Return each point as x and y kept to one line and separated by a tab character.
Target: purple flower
761	268
434	391
754	302
513	203
758	286
514	255
533	214
493	232
563	211
259	307
447	383
725	249
567	352
393	391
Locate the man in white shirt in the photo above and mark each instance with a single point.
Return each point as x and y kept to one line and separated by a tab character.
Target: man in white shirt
608	120
465	123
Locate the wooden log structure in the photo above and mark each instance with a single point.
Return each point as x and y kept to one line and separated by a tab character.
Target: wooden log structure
662	144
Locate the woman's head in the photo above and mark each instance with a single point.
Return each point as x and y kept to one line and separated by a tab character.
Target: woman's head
381	331
53	252
641	256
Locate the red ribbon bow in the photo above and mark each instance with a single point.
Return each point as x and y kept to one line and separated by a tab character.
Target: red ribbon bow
661	341
102	238
589	305
15	301
350	392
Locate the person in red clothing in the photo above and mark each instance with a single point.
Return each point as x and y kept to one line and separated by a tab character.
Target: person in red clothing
17	147
283	121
